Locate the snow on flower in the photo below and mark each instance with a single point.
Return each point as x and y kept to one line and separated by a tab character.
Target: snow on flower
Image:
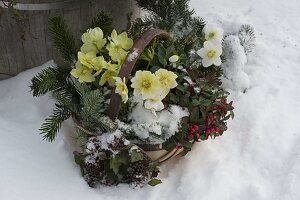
93	40
154	104
165	124
210	54
213	34
121	88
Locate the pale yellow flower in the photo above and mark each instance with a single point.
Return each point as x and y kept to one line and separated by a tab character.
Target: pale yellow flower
83	73
121	88
112	70
119	46
121	40
98	64
146	85
116	53
93	40
107	76
88	59
167	80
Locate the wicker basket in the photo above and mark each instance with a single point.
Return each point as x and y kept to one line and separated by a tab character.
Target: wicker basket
155	152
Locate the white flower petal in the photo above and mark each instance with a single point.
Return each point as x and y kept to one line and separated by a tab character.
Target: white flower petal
217	61
207	62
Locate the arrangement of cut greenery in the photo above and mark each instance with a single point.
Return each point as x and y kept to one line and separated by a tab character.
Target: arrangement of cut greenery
155	86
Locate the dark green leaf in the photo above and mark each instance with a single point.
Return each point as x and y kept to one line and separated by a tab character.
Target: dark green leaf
154	182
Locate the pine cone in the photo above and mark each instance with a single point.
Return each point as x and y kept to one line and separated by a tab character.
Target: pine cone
94	174
138	173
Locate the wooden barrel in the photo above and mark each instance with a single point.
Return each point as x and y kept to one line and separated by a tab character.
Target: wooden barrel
24	38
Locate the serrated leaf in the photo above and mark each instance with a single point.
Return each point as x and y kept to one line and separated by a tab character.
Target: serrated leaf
154	182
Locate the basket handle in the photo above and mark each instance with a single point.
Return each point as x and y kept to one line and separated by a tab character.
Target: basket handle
125	71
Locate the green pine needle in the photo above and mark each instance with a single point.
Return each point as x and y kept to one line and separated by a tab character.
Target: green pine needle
63	39
43	82
53	123
103	21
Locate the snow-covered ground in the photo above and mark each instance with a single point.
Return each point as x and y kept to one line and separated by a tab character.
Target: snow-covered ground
257	158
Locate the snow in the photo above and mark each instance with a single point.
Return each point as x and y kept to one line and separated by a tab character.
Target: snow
132	56
158	128
235	76
257	158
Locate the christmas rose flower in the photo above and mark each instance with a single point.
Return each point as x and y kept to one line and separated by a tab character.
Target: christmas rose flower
89	60
119	46
121	88
111	71
83	73
213	34
167	80
93	40
210	54
146	85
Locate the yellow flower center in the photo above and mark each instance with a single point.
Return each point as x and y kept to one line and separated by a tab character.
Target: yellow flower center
84	71
146	84
211	35
211	53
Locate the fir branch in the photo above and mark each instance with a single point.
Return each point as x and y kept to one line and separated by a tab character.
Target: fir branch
44	81
53	123
63	39
65	98
166	13
103	21
81	138
92	112
247	37
53	79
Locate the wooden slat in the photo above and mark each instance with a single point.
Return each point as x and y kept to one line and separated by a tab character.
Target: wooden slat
27	44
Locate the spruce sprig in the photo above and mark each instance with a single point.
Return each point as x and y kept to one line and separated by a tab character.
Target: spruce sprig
53	123
62	38
44	81
93	108
103	21
166	13
247	37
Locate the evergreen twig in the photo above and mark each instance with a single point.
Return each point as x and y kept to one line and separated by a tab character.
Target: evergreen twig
103	21
247	37
63	39
53	123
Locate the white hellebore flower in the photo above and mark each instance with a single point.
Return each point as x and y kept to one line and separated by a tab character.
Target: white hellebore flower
174	59
210	54
213	34
154	104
